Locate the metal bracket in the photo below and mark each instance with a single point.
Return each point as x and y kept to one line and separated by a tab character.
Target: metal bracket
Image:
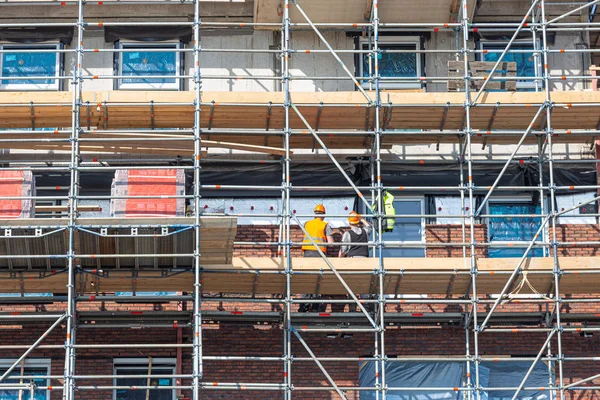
134	276
491	124
318	122
255	283
269	111
152	114
8	232
319	112
104	231
367	118
373	283
105	107
444	116
32	115
387	116
21	284
398	282
451	284
88	115
164	230
39	232
319	283
211	115
134	231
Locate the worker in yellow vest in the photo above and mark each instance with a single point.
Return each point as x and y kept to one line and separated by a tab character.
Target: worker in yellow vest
320	232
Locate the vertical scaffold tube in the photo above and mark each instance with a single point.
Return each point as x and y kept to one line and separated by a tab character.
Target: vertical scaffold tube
552	209
469	159
287	201
197	351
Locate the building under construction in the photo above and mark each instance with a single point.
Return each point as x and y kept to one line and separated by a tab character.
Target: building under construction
159	160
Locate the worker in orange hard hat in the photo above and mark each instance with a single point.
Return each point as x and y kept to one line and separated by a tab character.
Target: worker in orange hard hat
359	232
320	232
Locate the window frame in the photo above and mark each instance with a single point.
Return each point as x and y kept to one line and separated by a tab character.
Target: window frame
417	244
56	86
521	85
37	363
392	40
137	363
123	45
521	200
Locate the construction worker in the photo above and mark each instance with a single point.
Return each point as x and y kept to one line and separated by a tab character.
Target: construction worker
359	233
320	232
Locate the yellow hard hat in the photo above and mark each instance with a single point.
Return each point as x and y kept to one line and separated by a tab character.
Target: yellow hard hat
320	208
354	218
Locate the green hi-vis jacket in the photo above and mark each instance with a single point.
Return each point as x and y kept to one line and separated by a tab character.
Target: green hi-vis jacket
389	210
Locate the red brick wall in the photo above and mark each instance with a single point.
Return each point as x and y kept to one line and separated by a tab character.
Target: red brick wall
578	233
270	233
436	234
267	341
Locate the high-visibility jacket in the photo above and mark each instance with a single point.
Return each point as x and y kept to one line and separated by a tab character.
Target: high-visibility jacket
389	210
316	229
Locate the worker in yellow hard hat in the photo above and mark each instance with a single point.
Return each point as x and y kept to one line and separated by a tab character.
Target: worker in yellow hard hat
320	232
359	232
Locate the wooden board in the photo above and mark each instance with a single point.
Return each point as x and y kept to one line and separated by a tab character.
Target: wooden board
266	276
354	11
235	114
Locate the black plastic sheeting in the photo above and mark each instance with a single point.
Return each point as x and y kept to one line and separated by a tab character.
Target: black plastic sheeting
426	176
148	33
63	34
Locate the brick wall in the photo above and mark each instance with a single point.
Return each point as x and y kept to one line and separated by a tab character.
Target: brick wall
578	233
267	341
437	234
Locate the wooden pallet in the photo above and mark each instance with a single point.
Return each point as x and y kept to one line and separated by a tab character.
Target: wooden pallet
482	69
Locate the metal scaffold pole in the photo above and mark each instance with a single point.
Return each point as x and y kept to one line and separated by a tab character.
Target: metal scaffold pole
197	353
286	204
470	185
77	83
553	248
380	352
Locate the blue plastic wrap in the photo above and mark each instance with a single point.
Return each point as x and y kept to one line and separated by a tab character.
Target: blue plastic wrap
513	229
148	63
28	64
451	375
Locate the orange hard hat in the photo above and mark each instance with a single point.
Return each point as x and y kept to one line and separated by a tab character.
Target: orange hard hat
354	218
320	208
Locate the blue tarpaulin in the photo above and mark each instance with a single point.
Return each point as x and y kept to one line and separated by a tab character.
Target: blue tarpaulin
451	375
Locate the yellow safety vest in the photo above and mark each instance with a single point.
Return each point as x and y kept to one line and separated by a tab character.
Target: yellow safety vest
316	229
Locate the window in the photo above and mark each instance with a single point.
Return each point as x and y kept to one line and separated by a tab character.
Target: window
23	61
145	60
513	230
33	367
429	374
142	366
526	62
393	65
407	230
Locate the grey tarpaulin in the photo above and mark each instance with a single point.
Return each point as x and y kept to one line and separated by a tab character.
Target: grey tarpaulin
451	375
63	34
148	33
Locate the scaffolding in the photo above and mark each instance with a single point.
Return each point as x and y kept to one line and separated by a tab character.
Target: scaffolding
381	276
